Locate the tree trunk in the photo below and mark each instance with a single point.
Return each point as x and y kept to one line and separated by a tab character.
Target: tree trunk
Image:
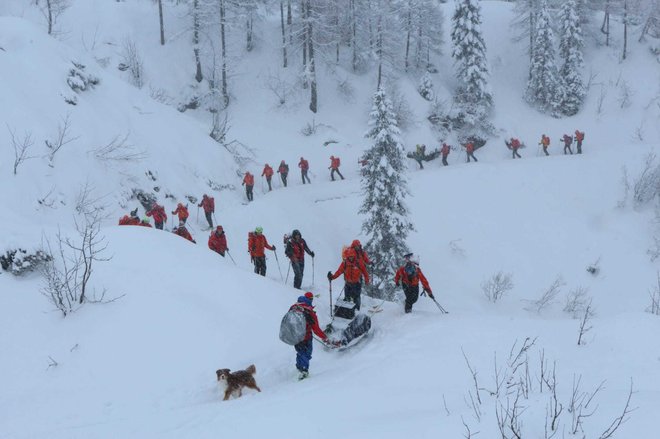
289	22
354	32
313	103
304	51
379	52
605	27
223	41
625	28
198	63
160	17
284	63
49	6
408	40
249	40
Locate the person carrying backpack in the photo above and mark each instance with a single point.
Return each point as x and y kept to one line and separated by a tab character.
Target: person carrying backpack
304	348
218	241
513	144
248	182
469	149
183	232
445	153
268	173
353	270
362	255
304	168
283	170
568	141
410	275
208	204
182	211
579	137
257	243
158	213
545	142
420	154
334	167
130	220
296	247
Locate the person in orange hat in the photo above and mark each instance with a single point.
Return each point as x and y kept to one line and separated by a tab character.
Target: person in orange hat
353	270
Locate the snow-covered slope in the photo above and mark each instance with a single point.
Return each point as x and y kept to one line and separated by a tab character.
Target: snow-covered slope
143	366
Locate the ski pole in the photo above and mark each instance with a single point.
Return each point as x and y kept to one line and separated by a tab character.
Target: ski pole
215	219
313	271
197	218
287	273
444	311
278	265
330	288
232	259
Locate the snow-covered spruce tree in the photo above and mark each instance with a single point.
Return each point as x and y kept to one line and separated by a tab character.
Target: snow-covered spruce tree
570	52
384	187
469	52
543	86
425	87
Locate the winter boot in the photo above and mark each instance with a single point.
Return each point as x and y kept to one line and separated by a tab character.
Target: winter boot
303	374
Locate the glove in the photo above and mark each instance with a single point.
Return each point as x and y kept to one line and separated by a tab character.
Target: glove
273	248
329	275
431	295
312	254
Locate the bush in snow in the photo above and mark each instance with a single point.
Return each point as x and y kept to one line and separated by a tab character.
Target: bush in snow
20	261
79	80
654	294
646	186
497	286
132	63
425	87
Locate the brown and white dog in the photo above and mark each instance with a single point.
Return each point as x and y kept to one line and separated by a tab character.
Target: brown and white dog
235	381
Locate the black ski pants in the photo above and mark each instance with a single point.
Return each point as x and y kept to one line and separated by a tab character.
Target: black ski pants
268	179
159	226
283	176
568	147
303	172
332	174
412	294
260	265
515	153
248	192
298	270
545	150
209	218
444	160
471	154
579	146
352	292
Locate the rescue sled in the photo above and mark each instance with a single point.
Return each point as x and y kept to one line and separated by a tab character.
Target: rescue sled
348	325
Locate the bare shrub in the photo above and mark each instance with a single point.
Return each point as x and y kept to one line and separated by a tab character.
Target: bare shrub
118	150
576	301
310	128
646	186
63	138
654	295
132	63
626	94
280	87
68	273
497	286
547	297
21	145
585	324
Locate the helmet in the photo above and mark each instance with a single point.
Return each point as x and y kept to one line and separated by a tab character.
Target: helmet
408	256
145	219
219	229
295	233
306	300
309	295
332	157
301	158
356	243
267	165
258	229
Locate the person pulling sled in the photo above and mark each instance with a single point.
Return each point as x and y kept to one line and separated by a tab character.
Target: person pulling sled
353	270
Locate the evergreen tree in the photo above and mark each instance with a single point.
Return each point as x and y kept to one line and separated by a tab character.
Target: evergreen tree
543	87
469	53
384	187
570	52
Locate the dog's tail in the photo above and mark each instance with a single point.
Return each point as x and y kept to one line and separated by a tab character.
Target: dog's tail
251	369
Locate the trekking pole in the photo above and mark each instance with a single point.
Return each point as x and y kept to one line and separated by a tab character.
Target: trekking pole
444	311
232	259
313	271
330	288
197	218
287	273
278	265
215	219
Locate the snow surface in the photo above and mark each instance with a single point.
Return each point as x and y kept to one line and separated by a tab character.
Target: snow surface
144	365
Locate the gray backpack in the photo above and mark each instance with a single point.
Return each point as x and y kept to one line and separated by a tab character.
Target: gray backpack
294	326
